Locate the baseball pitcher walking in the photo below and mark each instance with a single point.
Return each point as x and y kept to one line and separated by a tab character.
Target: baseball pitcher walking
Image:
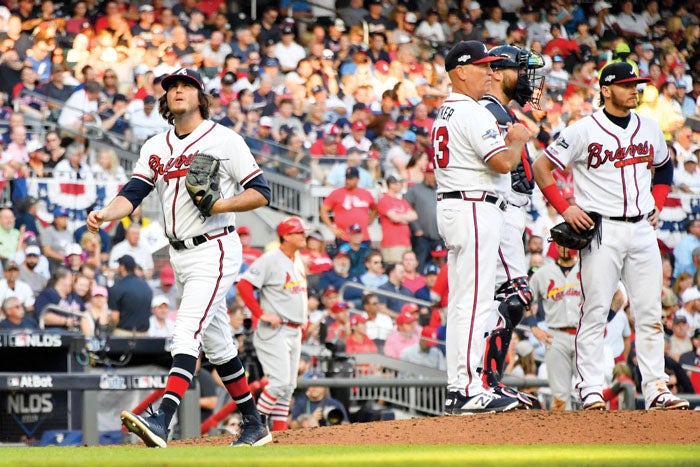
471	160
194	168
281	308
612	153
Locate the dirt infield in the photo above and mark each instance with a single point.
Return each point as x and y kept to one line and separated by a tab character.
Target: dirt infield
522	427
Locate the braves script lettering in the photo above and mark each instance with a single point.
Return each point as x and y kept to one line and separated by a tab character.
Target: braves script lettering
641	153
156	165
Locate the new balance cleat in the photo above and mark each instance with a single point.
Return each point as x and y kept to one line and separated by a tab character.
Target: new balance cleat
150	429
486	402
253	433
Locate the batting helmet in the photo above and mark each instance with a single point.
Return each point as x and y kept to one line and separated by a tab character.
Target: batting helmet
290	225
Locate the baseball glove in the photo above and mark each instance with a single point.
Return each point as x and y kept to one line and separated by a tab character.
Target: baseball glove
202	182
565	235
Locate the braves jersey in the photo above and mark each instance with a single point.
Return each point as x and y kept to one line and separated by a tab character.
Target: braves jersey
561	295
611	165
165	160
465	136
281	283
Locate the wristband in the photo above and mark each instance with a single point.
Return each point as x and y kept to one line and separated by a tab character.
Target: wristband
660	193
555	197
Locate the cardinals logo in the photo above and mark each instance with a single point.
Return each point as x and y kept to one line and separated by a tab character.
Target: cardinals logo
292	286
558	293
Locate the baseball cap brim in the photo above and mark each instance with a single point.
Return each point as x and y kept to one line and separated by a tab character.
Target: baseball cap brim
630	80
172	79
485	60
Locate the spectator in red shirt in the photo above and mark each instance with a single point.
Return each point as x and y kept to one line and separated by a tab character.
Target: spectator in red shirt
358	342
350	205
394	216
340	329
314	255
412	279
250	254
563	47
324	153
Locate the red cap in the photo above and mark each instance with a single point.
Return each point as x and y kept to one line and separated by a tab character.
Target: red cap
167	275
339	306
430	168
330	290
243	230
357	319
290	225
439	251
429	335
382	66
359	125
410	308
406	317
390	125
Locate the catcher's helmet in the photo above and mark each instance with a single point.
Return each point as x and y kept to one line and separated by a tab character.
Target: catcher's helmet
290	225
525	62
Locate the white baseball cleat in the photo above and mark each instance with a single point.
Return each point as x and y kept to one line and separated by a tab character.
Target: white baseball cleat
667	401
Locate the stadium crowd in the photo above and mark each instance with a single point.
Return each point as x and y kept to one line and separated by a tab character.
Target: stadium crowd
341	95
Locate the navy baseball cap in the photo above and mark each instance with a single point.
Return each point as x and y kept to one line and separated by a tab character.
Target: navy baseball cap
468	53
128	262
620	73
352	172
183	74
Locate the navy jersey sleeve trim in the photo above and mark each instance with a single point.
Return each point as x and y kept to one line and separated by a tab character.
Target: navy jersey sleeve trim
135	191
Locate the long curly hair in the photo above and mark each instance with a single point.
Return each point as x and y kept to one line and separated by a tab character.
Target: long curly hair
204	104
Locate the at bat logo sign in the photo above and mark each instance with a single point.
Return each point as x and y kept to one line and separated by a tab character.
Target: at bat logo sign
562	142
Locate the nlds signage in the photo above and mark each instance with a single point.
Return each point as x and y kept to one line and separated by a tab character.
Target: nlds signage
34	340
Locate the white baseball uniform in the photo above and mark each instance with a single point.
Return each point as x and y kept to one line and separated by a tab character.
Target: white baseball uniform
465	136
612	176
561	299
203	273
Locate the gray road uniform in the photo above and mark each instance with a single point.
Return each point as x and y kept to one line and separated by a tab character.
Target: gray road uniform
561	299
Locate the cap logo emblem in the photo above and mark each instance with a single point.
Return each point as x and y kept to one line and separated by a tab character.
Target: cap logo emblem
464	58
610	78
181	71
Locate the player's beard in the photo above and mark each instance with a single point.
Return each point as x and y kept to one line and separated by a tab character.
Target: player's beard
509	86
622	100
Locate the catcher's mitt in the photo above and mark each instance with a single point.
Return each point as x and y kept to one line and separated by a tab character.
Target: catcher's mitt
565	235
202	182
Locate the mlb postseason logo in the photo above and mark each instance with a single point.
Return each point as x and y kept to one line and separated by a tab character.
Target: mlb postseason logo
148	382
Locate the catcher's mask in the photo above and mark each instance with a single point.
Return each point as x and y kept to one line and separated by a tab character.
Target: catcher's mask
530	83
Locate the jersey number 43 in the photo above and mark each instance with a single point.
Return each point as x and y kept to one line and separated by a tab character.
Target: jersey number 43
440	139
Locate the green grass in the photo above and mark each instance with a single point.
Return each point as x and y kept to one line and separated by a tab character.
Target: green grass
617	455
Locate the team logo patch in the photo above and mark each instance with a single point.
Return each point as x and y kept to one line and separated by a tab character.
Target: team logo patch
610	78
562	142
489	134
253	272
464	58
